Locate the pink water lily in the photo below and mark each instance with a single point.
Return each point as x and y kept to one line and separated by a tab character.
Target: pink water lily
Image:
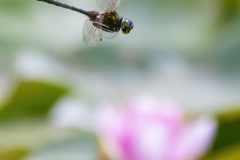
148	129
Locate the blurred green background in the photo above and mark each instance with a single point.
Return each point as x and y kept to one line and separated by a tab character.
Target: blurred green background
187	51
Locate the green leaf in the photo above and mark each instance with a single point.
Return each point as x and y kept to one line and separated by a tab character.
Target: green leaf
228	131
31	99
228	153
13	153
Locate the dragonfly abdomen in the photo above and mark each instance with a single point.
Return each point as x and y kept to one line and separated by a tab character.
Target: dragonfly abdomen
56	3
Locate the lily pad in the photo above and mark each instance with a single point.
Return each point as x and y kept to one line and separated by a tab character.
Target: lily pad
31	99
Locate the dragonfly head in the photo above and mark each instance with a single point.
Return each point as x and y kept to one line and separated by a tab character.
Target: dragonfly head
127	26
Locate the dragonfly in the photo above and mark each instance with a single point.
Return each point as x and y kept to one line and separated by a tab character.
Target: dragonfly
104	24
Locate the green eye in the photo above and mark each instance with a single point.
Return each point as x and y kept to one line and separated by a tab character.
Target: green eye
126	24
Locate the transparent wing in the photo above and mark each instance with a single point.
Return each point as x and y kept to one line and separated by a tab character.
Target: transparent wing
92	33
108	5
109	35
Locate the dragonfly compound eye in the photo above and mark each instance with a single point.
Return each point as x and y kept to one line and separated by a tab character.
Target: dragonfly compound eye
127	26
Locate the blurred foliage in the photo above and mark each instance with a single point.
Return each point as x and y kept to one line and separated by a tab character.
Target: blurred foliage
80	146
98	58
13	153
228	130
14	7
228	153
107	58
230	10
31	99
41	141
227	141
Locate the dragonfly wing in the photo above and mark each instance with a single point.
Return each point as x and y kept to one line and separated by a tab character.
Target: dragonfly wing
109	35
108	5
92	33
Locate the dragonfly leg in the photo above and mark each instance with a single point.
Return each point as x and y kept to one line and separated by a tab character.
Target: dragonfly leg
107	29
103	27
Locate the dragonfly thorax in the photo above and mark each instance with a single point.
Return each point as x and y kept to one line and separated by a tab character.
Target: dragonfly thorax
112	21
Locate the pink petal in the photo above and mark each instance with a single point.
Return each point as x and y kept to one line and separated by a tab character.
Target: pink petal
196	139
